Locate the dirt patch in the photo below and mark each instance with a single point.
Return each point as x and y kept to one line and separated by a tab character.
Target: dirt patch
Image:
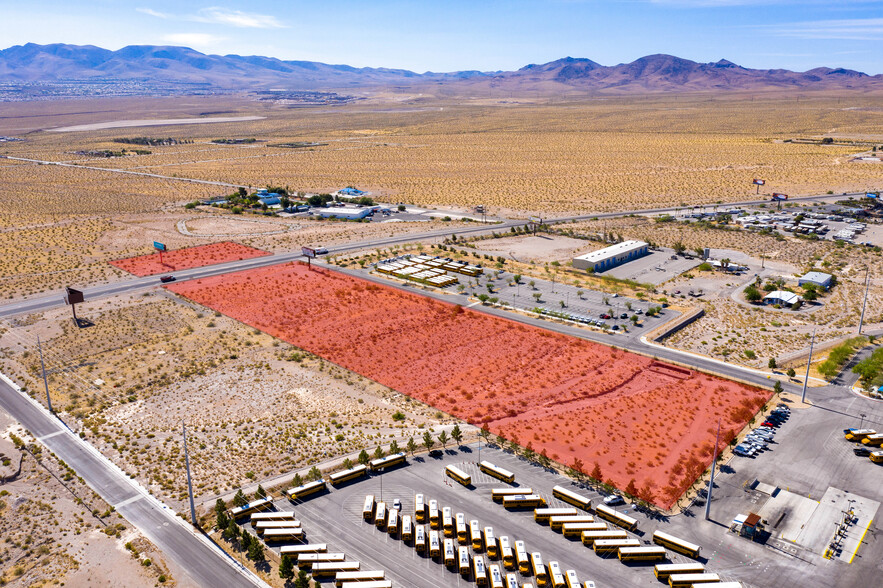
537	248
643	423
180	259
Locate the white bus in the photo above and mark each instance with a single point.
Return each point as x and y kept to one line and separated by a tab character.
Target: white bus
604	546
542	515
365	576
557	522
420	538
392	521
332	568
577	529
380	515
368	509
572	579
276	515
497	494
450	555
419	508
296	550
512	581
305	490
522	557
306	560
538	569
617	518
463	558
462	529
556	575
522	501
571	497
386	462
433	514
347	475
475	535
407	528
373	584
675	544
265	525
459	475
496	576
434	544
654	553
490	544
688	580
448	521
663	571
479	571
240	512
506	553
284	534
497	472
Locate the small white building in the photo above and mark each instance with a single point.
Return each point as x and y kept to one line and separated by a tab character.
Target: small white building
820	279
604	259
782	298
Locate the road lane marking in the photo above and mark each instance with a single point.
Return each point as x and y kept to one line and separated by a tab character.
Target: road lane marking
129	501
50	436
860	541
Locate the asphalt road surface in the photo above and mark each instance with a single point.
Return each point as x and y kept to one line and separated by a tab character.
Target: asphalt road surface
206	565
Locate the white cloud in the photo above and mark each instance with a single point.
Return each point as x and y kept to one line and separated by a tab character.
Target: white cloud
859	29
221	16
237	18
195	40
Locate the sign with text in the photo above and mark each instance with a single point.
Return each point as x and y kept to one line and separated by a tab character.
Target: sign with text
777	196
536	220
159	246
308	252
872	195
759	182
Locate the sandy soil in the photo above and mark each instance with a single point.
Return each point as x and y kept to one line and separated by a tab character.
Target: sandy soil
51	535
518	381
224	226
538	248
202	255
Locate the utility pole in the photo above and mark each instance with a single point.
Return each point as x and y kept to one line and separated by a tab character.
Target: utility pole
861	319
43	369
189	483
711	481
808	363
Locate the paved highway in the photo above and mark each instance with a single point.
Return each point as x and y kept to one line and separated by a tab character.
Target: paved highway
206	564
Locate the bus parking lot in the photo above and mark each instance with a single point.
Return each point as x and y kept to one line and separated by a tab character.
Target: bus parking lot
335	518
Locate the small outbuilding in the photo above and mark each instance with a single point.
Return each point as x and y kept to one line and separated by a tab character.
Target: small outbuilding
782	298
820	279
346	212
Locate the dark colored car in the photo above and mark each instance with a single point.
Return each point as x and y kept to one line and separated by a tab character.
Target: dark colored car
166	279
861	451
624	316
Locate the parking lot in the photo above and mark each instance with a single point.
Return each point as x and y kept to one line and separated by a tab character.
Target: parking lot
335	518
587	308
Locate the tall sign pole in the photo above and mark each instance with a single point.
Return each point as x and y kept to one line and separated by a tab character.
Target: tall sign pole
861	320
189	482
159	247
808	363
73	298
43	369
711	481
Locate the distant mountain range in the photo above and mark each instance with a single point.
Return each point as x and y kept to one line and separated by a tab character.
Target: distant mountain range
161	64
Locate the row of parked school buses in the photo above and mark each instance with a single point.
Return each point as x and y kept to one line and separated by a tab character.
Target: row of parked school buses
448	538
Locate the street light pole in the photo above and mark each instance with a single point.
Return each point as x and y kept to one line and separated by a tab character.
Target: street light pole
43	369
189	482
711	481
808	363
861	320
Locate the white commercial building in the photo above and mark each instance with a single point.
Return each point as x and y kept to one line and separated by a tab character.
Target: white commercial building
612	256
782	298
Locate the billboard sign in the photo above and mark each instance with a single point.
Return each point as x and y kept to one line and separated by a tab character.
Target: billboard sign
777	196
73	296
536	220
308	252
758	182
159	246
872	195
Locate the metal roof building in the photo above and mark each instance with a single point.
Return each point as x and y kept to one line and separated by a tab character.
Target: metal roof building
604	259
781	297
820	279
346	212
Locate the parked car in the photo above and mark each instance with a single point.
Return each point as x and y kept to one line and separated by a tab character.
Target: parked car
613	500
166	279
397	504
861	451
624	315
770	424
744	450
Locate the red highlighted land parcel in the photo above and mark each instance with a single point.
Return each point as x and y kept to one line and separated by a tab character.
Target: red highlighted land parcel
189	258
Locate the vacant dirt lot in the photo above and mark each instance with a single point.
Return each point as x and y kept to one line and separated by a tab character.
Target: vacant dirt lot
181	259
524	383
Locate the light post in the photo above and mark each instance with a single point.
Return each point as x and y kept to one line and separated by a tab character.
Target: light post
863	415
861	320
189	483
45	381
808	363
711	481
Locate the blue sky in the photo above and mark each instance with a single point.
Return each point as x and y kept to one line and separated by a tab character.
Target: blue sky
448	35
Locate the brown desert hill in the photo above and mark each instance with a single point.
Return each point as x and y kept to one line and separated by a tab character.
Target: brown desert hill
166	64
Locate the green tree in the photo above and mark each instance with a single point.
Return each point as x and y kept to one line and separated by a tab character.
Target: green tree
484	433
483	298
538	295
791	373
302	580
378	452
245	540
561	302
260	492
517	277
347	464
777	387
256	551
363	457
443	439
412	445
532	284
314	474
297	480
231	531
457	434
222	519
428	441
394	447
220	505
286	568
679	247
752	294
772	363
240	499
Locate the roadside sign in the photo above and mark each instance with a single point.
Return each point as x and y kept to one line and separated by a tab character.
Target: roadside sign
872	195
535	219
73	296
758	181
308	252
777	196
159	246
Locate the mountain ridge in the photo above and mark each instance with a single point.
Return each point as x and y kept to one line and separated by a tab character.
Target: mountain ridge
172	64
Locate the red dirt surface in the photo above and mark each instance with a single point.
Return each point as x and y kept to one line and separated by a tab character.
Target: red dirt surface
647	426
191	257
